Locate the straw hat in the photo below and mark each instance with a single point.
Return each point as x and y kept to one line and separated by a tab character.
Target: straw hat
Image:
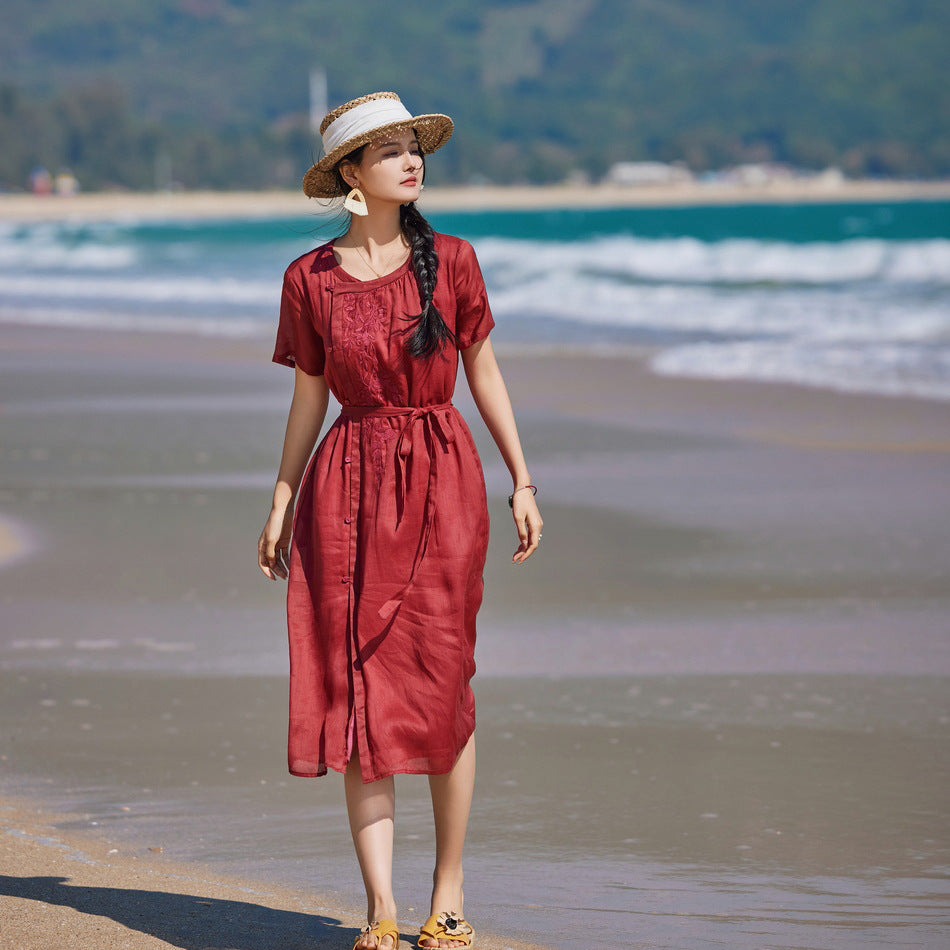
362	120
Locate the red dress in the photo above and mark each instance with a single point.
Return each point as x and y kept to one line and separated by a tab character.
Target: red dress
391	522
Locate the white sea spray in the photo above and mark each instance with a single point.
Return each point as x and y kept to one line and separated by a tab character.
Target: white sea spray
849	310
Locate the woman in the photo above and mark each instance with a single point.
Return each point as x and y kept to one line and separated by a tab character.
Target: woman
390	523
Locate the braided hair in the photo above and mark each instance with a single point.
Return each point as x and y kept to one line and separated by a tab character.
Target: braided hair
428	333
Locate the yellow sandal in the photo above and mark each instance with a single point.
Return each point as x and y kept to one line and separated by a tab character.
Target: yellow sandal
380	929
448	925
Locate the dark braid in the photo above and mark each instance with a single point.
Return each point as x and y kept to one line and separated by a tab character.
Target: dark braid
430	332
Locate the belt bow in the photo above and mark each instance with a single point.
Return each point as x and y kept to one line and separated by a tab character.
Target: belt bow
434	435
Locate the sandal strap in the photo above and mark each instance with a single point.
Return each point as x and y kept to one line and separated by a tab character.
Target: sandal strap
436	931
380	929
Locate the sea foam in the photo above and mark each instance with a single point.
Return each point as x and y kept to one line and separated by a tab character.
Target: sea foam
864	312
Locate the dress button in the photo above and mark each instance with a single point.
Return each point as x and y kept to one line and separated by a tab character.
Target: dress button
344	580
346	520
347	459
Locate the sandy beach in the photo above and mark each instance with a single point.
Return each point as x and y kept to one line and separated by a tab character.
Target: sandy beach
228	205
712	711
76	891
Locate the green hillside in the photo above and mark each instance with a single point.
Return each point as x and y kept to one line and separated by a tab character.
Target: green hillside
216	90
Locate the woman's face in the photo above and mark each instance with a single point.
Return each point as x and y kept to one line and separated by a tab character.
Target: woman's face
391	168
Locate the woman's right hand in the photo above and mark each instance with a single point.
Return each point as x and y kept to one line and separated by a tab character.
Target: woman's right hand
273	546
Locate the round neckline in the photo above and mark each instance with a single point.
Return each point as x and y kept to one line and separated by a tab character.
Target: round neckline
375	281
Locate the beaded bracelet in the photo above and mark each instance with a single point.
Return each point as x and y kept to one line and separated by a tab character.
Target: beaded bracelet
511	497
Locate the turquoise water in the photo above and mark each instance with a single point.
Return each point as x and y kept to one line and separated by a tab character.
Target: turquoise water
848	296
799	224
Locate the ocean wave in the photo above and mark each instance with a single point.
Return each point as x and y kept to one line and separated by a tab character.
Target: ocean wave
673	309
861	313
887	369
220	291
37	256
865	315
687	260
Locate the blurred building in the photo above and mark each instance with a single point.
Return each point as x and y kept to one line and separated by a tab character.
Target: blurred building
647	173
66	183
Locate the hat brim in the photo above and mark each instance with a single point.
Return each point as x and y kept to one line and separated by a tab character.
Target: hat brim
432	131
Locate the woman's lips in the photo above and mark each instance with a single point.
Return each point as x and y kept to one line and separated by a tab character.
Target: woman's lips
410	181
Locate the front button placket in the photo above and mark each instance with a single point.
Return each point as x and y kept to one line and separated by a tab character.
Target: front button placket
351	488
349	331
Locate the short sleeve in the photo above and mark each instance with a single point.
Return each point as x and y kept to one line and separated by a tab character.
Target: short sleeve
473	318
298	342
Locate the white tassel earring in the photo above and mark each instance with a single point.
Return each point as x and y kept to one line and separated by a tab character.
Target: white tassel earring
356	203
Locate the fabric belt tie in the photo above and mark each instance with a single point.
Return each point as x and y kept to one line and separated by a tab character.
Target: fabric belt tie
434	436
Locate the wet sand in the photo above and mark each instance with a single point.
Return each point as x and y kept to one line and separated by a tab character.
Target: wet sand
712	711
79	891
704	811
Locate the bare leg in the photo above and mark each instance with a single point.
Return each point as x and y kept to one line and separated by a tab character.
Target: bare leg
451	803
372	808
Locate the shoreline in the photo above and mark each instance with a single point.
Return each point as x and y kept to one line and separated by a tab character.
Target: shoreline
232	205
84	889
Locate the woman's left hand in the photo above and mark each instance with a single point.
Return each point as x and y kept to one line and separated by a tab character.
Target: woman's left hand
528	522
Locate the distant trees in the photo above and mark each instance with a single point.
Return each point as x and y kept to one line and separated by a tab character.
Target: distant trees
92	131
212	93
